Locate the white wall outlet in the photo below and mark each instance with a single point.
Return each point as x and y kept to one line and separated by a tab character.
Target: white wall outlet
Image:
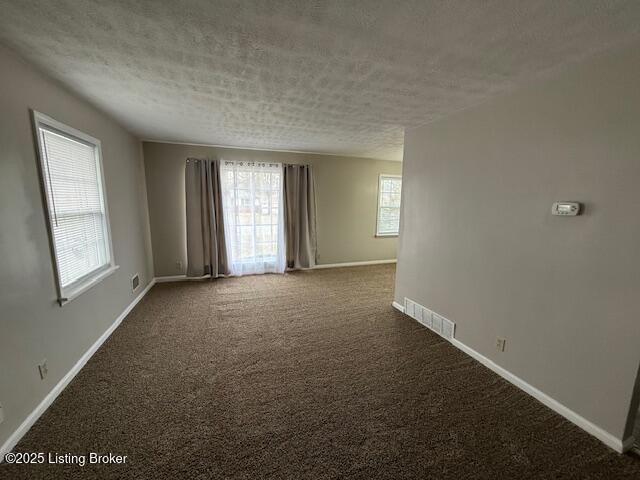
501	344
179	265
43	369
1	414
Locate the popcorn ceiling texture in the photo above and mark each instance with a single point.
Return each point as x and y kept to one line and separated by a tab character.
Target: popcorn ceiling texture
342	77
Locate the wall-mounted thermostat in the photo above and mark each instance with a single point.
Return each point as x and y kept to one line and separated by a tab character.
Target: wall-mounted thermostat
566	208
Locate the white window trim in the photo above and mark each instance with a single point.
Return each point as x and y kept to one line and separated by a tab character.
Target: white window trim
378	234
68	293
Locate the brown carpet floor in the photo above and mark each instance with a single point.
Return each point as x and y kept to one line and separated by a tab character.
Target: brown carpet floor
311	375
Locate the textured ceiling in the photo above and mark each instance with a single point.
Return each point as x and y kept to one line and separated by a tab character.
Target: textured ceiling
343	76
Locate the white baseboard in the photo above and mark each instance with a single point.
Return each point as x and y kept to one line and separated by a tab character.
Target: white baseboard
24	427
605	437
180	278
398	306
589	427
171	278
355	264
184	278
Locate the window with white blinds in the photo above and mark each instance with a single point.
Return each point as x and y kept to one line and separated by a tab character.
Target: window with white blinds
71	174
389	191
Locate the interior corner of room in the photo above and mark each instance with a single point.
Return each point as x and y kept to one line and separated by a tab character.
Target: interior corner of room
414	230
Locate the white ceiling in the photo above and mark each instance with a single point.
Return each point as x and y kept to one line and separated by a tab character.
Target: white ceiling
342	77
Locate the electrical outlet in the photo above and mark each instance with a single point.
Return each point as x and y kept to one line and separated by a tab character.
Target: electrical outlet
500	344
1	414
43	369
179	265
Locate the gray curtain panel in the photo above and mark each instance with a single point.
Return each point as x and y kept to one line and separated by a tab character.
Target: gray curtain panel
299	216
206	248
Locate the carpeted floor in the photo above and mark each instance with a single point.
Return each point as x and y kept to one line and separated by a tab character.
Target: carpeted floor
311	375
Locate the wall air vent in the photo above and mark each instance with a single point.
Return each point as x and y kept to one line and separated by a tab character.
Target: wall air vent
433	321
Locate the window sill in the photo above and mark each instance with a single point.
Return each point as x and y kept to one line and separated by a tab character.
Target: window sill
385	235
86	285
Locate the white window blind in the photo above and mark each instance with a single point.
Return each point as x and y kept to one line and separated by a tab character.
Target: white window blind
389	192
72	179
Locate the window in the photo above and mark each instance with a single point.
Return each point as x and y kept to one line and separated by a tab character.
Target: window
389	189
253	216
73	190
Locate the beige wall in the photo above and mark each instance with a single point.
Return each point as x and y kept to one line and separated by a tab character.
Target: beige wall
346	192
478	243
32	326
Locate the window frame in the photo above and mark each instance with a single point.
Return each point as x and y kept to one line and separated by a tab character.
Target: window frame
230	192
84	283
378	233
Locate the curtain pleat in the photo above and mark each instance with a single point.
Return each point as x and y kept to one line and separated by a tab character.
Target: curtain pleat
300	216
206	248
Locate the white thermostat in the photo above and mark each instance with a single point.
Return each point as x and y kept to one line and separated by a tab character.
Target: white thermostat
566	208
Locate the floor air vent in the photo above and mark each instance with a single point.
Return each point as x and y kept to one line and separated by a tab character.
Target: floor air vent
442	326
135	282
